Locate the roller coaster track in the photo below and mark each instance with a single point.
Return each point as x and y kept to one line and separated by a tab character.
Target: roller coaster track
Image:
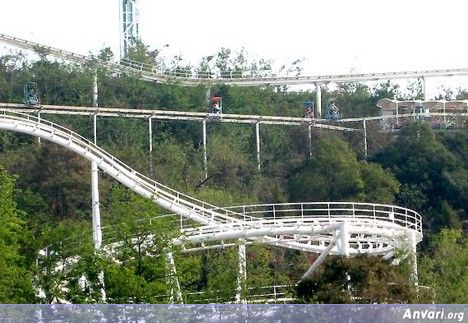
154	74
304	226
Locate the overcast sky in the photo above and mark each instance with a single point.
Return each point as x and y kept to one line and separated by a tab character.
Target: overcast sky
334	36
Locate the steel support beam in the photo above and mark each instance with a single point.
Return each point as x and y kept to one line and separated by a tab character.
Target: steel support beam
95	91
242	274
365	137
95	128
318	101
310	140
97	233
343	239
257	136
150	139
318	261
205	158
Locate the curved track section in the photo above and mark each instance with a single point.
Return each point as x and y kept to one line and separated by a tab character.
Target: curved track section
313	227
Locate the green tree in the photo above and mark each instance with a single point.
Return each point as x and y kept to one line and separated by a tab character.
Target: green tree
15	278
443	268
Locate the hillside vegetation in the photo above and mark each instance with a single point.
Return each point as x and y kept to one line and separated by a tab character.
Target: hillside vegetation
45	191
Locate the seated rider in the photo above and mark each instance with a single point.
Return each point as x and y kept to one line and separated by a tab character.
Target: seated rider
32	97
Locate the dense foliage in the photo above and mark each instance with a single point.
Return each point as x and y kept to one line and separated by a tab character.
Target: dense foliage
49	204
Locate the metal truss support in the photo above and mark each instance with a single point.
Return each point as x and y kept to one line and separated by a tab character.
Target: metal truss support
205	158
310	140
257	135
150	131
318	100
242	274
129	25
318	261
365	137
176	295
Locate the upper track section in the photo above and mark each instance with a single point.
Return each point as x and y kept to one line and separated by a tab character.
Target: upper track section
154	74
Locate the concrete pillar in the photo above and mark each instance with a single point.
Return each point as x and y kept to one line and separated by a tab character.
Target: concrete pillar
205	158
242	275
318	101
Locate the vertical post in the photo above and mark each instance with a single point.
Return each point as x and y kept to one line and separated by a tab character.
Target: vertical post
97	234
396	113
257	135
242	275
205	158
426	96
365	137
318	100
343	239
310	141
95	91
173	280
39	120
150	130
411	250
95	128
445	116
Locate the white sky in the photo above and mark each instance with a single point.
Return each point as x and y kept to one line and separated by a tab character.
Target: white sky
334	36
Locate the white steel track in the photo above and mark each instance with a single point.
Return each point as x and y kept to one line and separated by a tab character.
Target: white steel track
153	74
304	226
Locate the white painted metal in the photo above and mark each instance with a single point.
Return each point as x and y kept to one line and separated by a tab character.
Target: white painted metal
151	73
412	241
242	273
343	239
95	91
309	128
129	25
365	137
150	143
318	101
95	128
318	261
205	158
257	136
176	294
97	233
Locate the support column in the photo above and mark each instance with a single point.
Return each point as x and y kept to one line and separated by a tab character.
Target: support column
411	251
310	140
445	116
426	95
95	91
365	137
97	233
95	128
318	101
343	239
150	131
39	120
318	261
205	158
257	135
242	275
176	295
